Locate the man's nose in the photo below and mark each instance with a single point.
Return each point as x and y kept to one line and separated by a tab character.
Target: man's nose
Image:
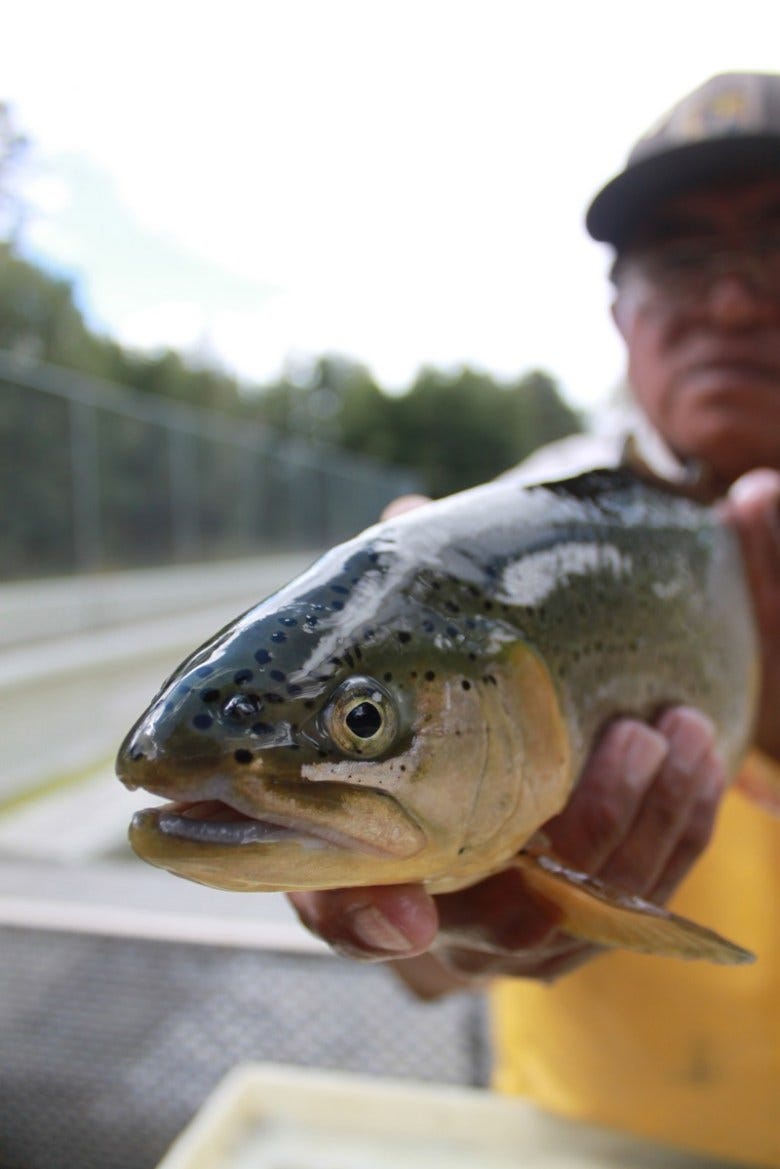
734	300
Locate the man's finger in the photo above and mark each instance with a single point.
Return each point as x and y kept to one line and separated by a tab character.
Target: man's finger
372	924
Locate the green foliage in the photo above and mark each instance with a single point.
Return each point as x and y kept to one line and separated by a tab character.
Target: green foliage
168	374
40	321
38	316
455	429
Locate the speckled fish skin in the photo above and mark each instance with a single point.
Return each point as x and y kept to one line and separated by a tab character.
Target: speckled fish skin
495	633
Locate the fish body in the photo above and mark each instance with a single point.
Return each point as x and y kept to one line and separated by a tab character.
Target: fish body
417	704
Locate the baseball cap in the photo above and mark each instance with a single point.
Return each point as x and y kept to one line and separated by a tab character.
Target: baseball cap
729	126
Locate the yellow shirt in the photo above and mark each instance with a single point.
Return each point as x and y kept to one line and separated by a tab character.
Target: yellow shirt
683	1053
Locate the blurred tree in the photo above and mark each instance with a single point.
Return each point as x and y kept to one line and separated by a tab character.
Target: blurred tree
456	429
39	319
13	145
166	373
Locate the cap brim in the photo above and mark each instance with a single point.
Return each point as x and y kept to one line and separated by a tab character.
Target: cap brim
631	197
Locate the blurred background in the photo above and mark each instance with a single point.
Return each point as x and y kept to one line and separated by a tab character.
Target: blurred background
263	268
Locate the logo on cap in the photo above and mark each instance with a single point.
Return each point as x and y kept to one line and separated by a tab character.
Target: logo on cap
725	106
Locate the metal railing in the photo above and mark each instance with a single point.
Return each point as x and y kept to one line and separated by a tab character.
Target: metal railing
94	475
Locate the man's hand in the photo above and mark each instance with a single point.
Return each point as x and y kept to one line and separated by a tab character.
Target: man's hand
641	814
753	506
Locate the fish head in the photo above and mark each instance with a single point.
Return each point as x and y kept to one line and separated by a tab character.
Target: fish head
302	752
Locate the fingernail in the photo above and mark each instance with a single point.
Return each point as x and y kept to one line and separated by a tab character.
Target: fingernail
690	737
373	930
643	755
754	484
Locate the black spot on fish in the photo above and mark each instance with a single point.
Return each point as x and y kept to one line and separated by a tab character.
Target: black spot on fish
340	589
310	619
242	676
288	621
272	696
279	637
452	607
337	605
293	690
428	626
202	721
465	684
335	661
277	675
404	637
388	677
309	704
357	652
262	728
429	675
369	635
263	657
348	658
209	695
242	755
452	631
487	606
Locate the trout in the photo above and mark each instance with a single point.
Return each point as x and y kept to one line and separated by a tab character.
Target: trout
416	705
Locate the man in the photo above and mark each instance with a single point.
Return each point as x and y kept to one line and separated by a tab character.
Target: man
685	1054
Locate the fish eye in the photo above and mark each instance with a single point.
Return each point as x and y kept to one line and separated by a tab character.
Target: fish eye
361	718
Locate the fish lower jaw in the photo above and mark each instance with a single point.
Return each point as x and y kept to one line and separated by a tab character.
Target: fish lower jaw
212	822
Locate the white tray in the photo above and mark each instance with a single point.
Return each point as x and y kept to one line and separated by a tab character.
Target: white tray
269	1116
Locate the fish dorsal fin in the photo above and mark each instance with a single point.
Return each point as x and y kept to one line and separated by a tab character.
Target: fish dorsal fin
595	912
694	480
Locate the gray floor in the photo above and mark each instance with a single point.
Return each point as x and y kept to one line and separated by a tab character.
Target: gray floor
109	1045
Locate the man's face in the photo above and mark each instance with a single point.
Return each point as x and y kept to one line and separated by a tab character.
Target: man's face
698	305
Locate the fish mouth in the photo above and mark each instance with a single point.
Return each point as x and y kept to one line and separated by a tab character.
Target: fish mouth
214	822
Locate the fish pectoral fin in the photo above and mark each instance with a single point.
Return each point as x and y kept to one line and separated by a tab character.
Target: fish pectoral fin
589	909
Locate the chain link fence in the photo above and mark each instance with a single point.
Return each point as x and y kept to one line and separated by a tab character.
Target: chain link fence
110	1045
96	476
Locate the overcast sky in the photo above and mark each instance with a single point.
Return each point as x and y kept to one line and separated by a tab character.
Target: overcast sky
400	182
